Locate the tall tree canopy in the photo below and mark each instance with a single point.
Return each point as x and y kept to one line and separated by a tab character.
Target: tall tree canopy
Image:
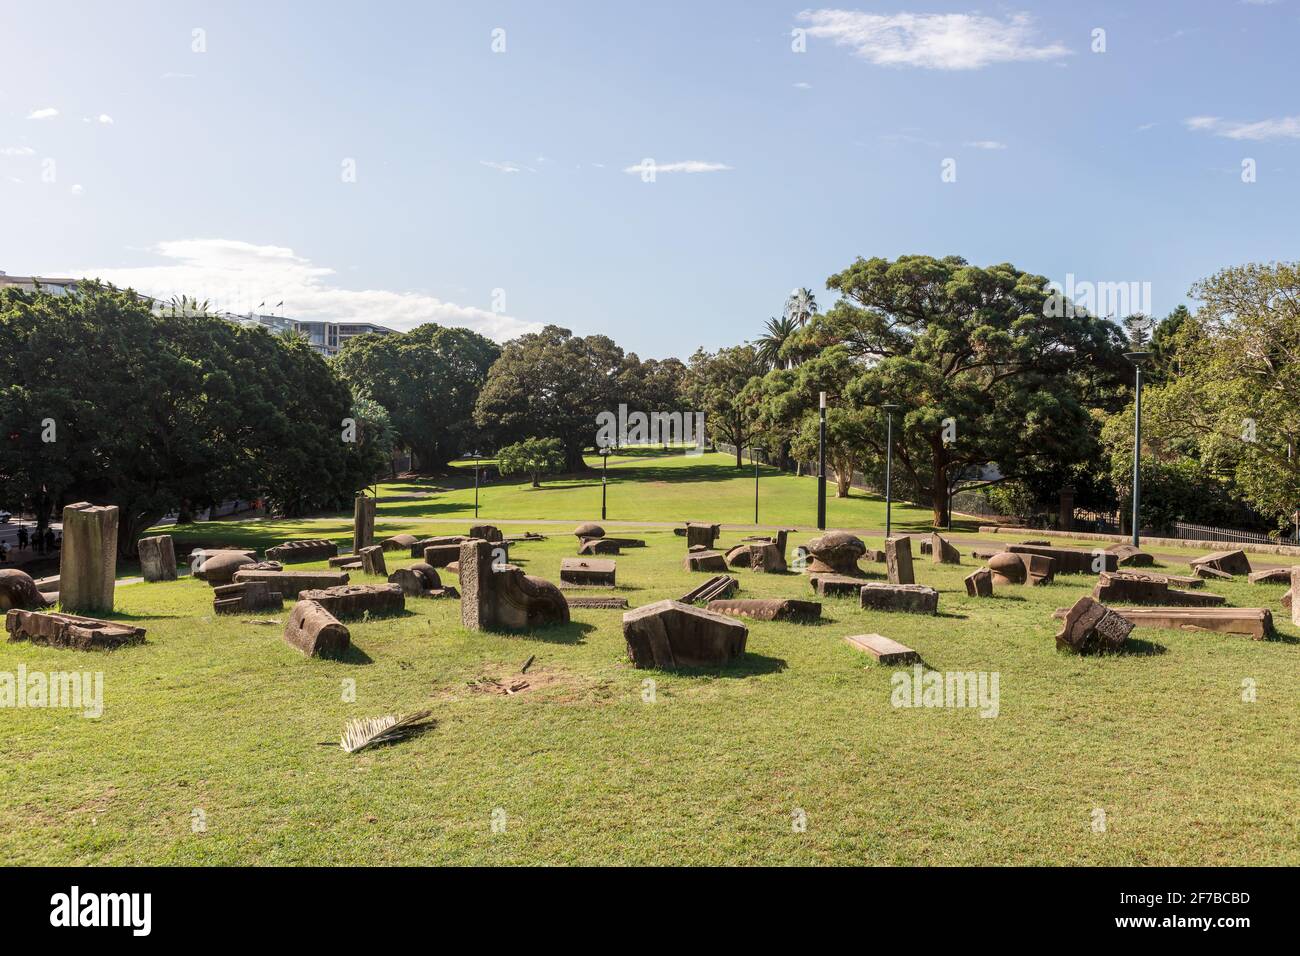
717	386
102	400
428	379
553	383
1231	413
983	371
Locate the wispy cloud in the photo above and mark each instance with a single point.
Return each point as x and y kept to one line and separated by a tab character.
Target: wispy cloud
505	167
223	270
17	151
684	166
169	75
934	41
986	144
801	85
1284	127
48	112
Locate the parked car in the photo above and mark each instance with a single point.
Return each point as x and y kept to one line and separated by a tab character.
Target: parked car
4	517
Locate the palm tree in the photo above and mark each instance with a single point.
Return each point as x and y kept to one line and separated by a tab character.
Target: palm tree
775	335
801	306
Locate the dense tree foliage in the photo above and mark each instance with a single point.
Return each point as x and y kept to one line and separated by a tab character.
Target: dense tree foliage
533	457
102	400
983	370
716	386
428	379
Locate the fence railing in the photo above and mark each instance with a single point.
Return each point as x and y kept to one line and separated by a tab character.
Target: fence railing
1203	532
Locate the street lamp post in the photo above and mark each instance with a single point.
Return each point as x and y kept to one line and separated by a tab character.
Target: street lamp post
754	459
889	410
1137	358
475	456
604	478
821	467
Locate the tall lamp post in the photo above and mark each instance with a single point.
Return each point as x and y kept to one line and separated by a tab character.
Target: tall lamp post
1138	359
475	456
889	410
754	459
821	467
604	479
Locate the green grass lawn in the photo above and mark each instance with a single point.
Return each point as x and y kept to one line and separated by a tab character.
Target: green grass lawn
219	715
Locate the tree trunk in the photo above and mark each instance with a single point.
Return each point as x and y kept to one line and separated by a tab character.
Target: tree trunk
537	479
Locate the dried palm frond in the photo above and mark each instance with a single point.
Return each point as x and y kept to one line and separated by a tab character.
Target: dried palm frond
358	734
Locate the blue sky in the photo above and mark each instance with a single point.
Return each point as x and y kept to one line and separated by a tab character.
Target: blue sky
491	187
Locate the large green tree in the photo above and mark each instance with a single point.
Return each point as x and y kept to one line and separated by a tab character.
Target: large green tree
553	383
428	379
717	386
102	399
984	366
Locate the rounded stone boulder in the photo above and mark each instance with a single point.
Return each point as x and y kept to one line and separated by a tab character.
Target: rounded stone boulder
836	552
1007	568
220	566
399	542
429	573
589	530
18	590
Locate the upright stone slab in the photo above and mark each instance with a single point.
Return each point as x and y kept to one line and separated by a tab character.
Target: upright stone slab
942	551
700	533
898	560
503	597
705	561
88	562
157	558
486	532
363	523
372	560
1295	595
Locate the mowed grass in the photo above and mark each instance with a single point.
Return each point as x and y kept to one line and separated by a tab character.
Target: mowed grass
591	764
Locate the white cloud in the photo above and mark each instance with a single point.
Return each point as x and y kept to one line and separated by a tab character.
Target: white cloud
986	144
236	275
801	85
1284	127
105	119
77	189
177	76
17	151
684	166
47	113
506	167
935	41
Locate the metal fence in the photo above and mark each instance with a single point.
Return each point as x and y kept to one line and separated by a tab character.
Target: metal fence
1204	532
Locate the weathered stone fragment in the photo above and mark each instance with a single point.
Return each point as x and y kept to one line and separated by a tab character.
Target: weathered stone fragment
768	609
18	590
942	551
301	550
486	532
1255	622
1122	589
291	584
979	583
599	603
590	572
1128	556
219	567
898	560
1039	569
502	596
69	630
1212	574
718	586
346	601
599	546
1071	560
760	556
157	558
700	533
705	561
398	542
1091	627
1227	562
245	596
587	530
1273	576
88	559
912	598
835	552
669	634
883	649
372	560
835	585
417	549
316	632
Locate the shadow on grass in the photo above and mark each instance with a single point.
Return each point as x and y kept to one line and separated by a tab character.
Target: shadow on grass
353	655
1277	637
749	665
1136	647
571	633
